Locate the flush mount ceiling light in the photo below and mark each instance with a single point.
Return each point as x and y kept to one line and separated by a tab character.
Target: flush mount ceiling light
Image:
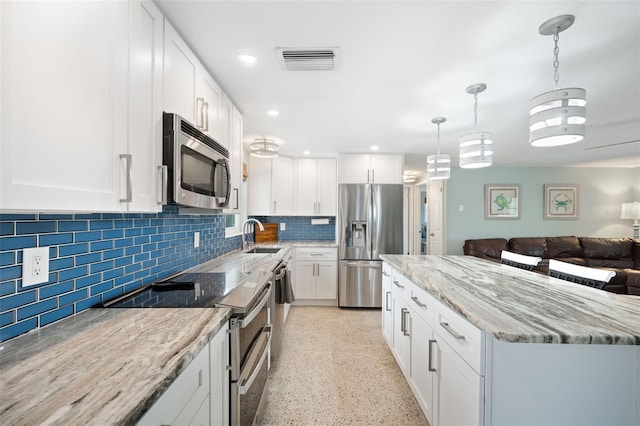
247	58
476	148
557	117
263	148
438	165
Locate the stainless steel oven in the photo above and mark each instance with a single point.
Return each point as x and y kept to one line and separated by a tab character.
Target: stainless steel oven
250	344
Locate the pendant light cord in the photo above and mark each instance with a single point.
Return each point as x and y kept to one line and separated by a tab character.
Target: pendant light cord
556	62
475	111
438	138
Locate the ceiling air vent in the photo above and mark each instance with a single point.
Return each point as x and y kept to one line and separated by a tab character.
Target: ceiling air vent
304	59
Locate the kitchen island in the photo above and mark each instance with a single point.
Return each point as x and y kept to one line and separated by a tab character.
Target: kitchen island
483	343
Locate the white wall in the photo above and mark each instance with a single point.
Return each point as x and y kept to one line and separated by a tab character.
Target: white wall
601	192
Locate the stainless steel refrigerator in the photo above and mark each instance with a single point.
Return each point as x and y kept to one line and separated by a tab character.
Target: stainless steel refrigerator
369	224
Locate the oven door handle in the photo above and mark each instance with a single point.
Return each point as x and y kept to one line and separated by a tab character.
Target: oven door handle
242	323
255	361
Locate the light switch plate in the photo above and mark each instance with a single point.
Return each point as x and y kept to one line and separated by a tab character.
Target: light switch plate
35	266
283	226
196	239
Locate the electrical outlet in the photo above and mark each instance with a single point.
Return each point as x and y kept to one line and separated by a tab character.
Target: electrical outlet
196	239
35	266
283	226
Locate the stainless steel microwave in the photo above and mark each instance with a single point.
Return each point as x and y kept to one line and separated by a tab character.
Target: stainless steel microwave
196	167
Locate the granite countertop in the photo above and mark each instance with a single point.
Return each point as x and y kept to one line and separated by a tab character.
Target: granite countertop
515	305
101	366
108	366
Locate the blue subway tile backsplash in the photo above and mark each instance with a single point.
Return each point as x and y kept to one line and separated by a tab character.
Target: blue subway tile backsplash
298	228
95	257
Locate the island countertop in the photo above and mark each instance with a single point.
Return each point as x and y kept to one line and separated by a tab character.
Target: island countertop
521	306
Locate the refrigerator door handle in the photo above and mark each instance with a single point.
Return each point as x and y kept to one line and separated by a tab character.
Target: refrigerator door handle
366	265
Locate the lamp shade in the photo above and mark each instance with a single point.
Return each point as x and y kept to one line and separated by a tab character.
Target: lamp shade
476	150
438	166
557	117
630	211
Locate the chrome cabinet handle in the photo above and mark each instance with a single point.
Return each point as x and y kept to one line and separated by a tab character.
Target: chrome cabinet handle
314	269
318	208
200	112
430	358
386	301
418	302
237	191
129	195
397	284
274	206
373	176
451	331
402	320
385	274
164	176
205	113
368	175
406	329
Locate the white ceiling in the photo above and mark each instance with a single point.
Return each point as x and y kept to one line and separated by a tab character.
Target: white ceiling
404	62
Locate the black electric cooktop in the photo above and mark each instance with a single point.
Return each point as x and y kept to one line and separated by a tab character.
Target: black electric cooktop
185	290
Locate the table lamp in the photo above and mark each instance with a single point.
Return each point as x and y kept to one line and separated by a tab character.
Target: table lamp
632	211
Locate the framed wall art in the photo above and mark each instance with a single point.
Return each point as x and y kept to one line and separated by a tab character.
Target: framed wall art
501	201
560	201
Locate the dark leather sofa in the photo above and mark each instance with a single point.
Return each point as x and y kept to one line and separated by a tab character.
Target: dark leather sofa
621	255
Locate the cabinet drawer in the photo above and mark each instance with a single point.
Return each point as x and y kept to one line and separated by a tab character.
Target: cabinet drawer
317	253
185	395
462	336
422	304
400	285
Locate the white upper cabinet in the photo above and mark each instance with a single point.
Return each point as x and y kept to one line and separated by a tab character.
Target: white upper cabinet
190	91
316	187
180	65
270	186
236	153
370	168
76	125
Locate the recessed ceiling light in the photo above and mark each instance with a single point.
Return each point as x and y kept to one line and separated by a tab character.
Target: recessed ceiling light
375	148
247	58
306	152
273	112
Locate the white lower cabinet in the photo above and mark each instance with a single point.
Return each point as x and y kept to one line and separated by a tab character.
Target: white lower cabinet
447	388
316	273
200	394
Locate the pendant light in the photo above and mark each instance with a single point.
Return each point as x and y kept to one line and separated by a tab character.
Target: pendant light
557	117
476	148
263	148
438	165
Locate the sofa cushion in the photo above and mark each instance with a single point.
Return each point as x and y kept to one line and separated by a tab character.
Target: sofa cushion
607	248
561	247
487	248
608	252
633	281
636	253
530	246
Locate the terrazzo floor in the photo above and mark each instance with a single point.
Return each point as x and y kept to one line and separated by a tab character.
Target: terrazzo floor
336	369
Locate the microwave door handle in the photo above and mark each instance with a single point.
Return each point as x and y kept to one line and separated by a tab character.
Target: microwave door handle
164	176
228	194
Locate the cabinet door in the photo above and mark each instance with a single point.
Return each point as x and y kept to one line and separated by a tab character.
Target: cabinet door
327	187
327	280
210	117
422	359
259	186
180	68
236	152
306	185
354	168
401	334
386	168
460	389
281	186
63	126
387	305
219	396
145	105
305	280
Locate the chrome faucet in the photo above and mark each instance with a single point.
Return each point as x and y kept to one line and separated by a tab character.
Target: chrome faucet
244	225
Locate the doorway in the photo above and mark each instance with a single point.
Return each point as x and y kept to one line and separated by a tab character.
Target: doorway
427	216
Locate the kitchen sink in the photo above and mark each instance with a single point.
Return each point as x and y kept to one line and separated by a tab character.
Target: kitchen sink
263	250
